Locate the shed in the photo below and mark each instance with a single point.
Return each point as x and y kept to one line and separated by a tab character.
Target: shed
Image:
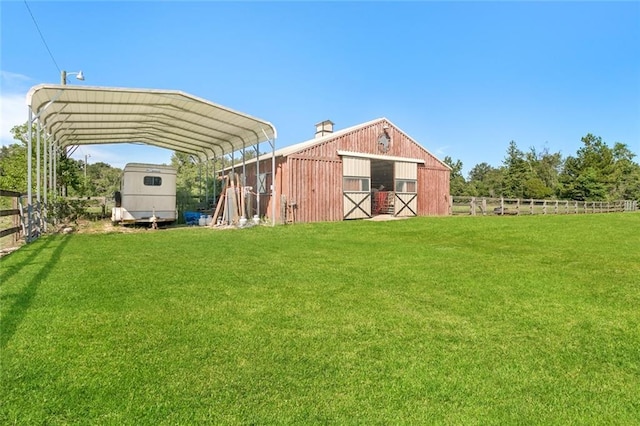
359	172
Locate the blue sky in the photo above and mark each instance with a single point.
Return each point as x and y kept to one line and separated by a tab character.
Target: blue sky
462	78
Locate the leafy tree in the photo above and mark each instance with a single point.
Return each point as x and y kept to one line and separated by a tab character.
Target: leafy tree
69	171
516	172
595	173
542	179
485	181
457	184
535	188
13	167
626	173
102	180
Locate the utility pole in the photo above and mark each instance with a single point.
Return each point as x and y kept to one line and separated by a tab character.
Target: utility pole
85	168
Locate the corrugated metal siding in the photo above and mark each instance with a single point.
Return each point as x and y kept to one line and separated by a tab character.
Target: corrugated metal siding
406	170
352	166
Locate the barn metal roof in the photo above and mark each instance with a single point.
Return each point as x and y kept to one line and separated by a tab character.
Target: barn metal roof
293	149
81	115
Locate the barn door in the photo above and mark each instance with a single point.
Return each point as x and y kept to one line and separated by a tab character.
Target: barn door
406	189
356	187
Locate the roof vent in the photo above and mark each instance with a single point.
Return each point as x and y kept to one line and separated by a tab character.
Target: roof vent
324	128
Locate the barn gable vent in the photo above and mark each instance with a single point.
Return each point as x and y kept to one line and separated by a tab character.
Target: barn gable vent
324	128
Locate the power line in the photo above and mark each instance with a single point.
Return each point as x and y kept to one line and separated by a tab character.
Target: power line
41	36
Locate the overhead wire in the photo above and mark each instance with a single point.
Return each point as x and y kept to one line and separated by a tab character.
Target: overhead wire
42	36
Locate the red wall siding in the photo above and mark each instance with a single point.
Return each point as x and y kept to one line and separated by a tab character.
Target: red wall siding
312	178
316	187
433	192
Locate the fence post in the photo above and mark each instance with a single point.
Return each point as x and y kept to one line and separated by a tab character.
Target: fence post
484	206
518	206
555	207
15	221
544	207
472	206
531	205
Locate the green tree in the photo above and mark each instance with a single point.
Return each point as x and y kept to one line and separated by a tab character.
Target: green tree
516	172
590	174
69	182
457	184
485	181
626	173
542	179
103	180
13	167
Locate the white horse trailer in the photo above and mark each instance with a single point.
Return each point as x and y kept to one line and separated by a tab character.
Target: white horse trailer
147	195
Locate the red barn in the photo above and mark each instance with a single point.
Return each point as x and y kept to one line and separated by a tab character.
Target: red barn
369	169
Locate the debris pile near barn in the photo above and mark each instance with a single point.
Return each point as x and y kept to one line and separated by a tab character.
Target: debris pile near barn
231	209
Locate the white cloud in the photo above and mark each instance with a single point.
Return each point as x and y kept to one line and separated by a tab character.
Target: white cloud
441	150
14	112
13	106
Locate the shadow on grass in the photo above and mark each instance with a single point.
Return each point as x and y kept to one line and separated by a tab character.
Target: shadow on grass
14	315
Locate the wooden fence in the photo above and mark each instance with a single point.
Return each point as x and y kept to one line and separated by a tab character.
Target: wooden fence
12	220
515	206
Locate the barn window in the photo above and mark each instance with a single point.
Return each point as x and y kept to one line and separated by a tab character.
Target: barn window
153	181
358	184
264	183
405	185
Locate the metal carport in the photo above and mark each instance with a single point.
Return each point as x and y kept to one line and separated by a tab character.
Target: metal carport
82	115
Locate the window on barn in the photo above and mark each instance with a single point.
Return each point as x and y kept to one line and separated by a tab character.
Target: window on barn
356	184
405	185
264	183
153	181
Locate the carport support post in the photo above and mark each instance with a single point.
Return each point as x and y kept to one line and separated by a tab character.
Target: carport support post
206	180
38	163
200	180
258	179
244	166
29	165
44	207
215	183
273	183
55	172
243	182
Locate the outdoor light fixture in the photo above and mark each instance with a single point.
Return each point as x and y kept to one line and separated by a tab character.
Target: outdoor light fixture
64	74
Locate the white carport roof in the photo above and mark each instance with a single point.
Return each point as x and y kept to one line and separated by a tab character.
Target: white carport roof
82	115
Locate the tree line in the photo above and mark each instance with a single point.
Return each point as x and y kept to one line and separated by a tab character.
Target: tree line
597	172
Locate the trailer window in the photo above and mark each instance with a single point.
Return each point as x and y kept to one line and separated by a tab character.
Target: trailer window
153	181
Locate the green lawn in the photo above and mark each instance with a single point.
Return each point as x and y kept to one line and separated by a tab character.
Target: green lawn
458	320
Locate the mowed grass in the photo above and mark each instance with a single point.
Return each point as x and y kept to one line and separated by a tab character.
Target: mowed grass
457	320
